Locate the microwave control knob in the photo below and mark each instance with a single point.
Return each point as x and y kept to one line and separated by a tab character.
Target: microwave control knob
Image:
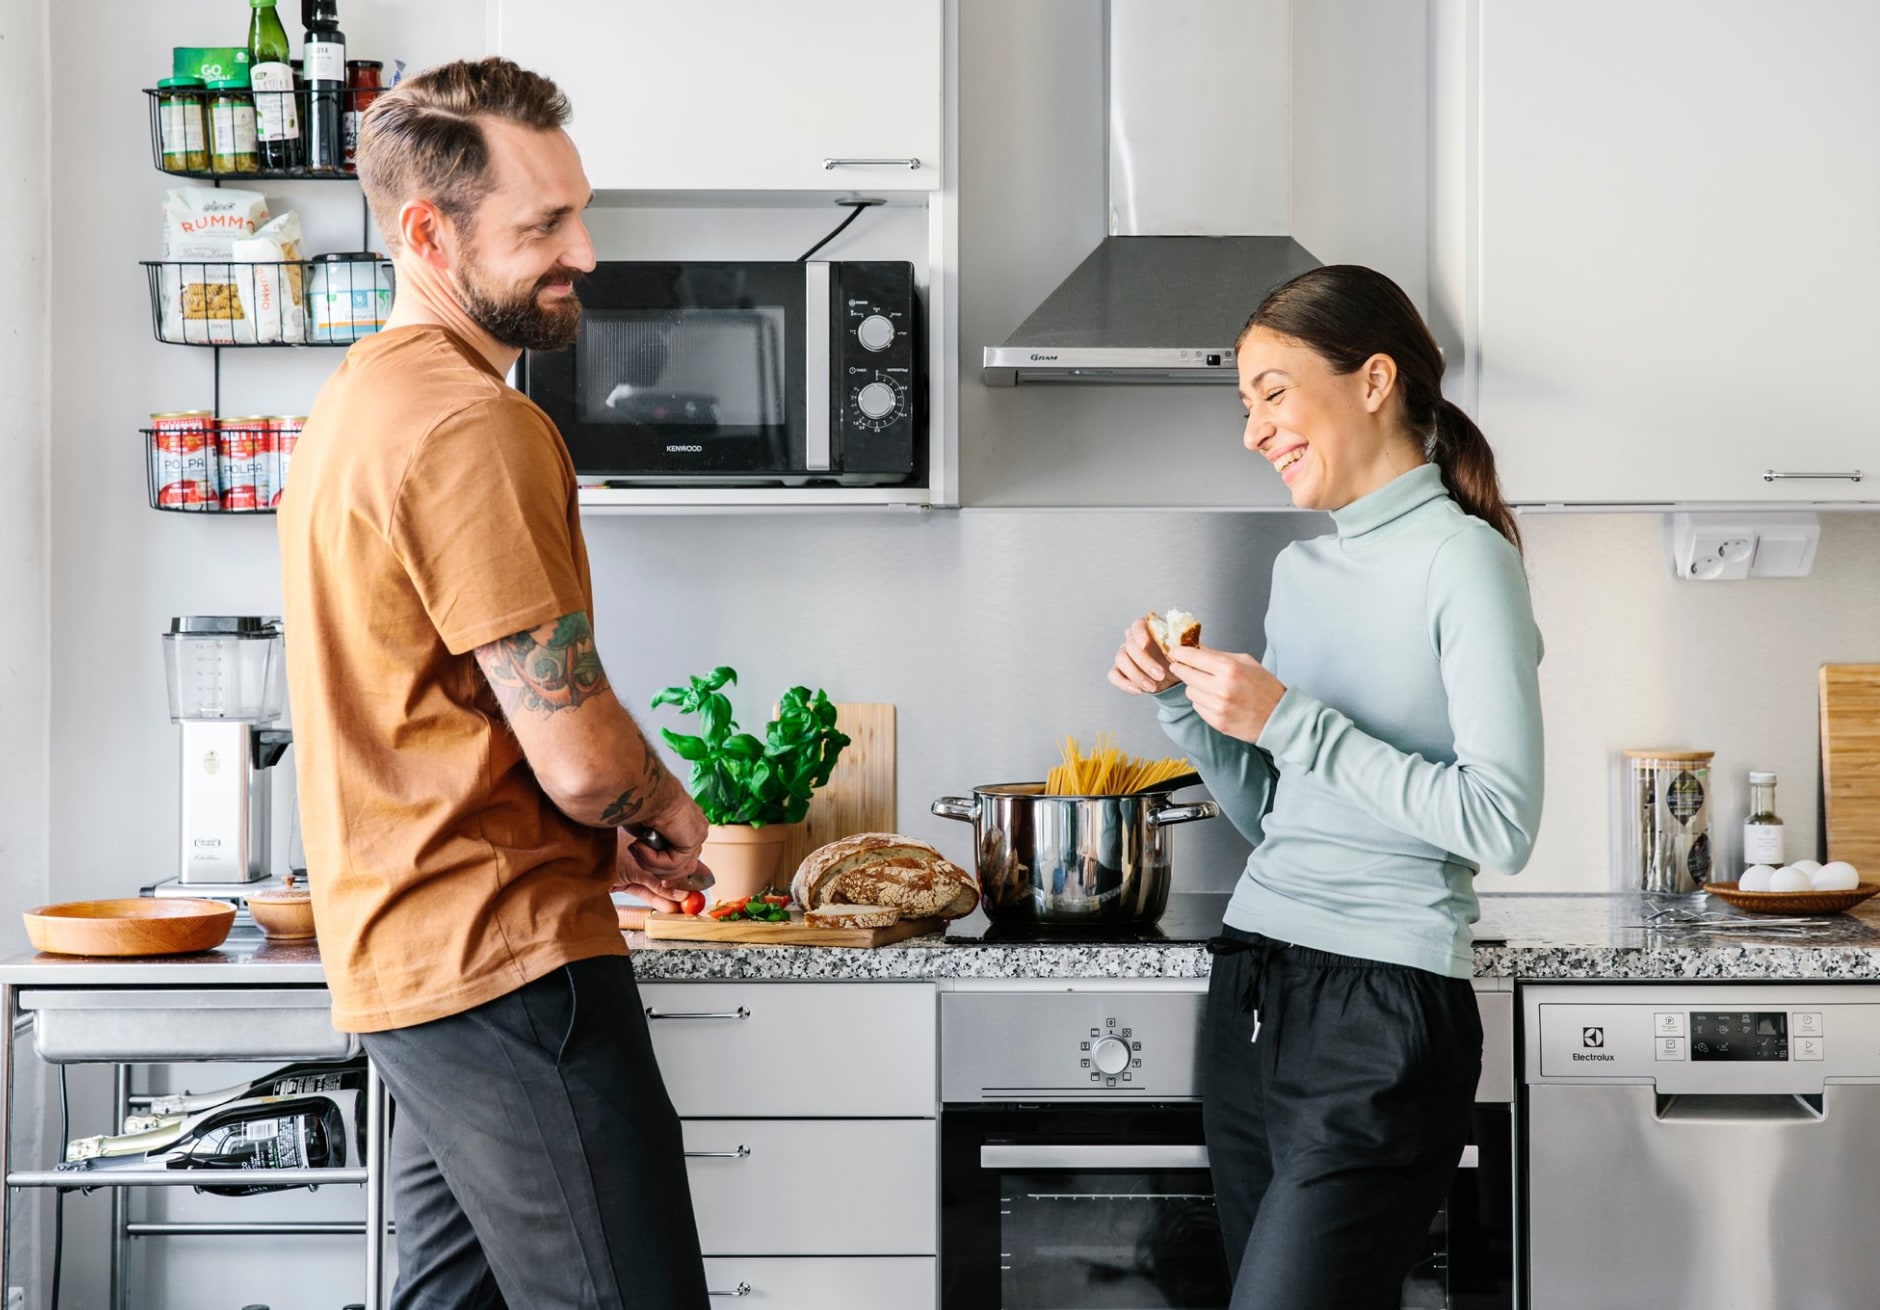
875	333
1110	1056
876	400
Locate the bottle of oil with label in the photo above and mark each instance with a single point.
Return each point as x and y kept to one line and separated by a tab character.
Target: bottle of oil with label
1762	830
271	78
324	61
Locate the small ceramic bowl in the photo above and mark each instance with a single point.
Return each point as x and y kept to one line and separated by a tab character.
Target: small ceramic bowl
285	914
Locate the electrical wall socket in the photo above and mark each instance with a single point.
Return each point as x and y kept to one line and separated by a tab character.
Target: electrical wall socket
1723	547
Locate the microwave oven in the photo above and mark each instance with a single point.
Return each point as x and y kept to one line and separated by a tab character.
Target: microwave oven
741	373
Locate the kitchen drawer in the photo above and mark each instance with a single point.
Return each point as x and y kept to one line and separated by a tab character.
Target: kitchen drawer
827	1050
168	1024
814	1186
852	1284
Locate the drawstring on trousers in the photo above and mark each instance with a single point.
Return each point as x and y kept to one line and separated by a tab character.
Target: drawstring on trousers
1263	950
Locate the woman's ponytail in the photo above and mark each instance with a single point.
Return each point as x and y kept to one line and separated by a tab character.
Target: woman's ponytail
1468	465
1347	313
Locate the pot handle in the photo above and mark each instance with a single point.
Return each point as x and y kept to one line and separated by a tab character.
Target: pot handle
1184	813
963	808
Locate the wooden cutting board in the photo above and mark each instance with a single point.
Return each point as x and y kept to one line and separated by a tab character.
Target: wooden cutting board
1850	763
688	928
860	796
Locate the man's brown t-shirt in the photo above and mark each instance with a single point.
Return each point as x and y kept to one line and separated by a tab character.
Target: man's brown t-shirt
431	510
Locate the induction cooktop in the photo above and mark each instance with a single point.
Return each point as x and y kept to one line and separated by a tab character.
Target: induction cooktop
1191	917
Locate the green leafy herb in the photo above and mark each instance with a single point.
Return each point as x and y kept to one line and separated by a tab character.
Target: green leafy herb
739	778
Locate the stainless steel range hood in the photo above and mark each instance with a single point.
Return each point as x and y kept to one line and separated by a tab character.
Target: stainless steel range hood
1199	172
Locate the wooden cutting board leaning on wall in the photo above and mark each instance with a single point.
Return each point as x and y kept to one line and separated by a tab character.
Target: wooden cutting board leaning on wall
860	796
1850	764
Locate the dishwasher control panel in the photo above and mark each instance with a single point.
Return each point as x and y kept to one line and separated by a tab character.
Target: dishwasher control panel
1697	1038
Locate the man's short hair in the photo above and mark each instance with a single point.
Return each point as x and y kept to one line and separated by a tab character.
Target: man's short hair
423	139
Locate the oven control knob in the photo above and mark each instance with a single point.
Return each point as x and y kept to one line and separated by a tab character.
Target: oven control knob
1111	1055
875	332
876	400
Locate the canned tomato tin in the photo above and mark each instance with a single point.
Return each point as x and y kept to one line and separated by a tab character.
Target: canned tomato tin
182	465
284	435
241	446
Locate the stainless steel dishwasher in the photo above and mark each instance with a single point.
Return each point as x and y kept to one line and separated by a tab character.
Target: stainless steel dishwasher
1710	1146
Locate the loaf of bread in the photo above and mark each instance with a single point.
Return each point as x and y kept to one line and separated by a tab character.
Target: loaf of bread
852	916
885	868
1176	628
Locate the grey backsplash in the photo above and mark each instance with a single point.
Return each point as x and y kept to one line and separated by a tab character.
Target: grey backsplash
989	630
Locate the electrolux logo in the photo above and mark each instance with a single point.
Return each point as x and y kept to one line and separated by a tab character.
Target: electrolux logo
1592	1038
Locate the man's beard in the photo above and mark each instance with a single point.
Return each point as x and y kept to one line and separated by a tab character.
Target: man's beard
516	317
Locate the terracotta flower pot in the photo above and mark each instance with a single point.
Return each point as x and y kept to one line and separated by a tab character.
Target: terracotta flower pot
743	859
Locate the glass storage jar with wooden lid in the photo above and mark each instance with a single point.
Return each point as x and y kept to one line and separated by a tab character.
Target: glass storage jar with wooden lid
1663	821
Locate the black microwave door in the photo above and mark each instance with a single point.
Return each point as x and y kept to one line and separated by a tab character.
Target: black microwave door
681	371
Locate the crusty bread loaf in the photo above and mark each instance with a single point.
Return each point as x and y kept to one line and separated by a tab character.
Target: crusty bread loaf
1176	628
885	868
852	916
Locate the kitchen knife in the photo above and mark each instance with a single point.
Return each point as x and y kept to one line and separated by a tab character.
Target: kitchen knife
696	881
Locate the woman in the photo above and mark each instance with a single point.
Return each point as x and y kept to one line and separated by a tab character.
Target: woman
1386	745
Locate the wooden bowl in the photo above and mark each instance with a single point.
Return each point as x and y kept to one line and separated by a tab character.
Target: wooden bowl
1791	902
284	913
132	925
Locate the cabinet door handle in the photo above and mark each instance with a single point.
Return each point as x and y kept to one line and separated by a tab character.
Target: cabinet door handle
909	163
1771	475
739	1013
742	1289
738	1154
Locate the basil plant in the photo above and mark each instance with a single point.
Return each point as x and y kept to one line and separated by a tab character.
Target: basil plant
738	778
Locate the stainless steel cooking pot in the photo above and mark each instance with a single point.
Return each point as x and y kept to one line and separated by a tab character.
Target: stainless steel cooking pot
1071	861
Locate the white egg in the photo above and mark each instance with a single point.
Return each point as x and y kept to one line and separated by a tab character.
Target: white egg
1838	876
1806	866
1755	878
1791	879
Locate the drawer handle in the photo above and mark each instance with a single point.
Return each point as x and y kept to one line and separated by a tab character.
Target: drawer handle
742	1289
909	163
739	1013
1771	475
739	1154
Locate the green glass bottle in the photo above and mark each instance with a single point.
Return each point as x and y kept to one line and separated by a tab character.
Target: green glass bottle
277	114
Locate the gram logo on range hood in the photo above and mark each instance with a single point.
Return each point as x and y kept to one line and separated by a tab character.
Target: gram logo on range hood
1199	168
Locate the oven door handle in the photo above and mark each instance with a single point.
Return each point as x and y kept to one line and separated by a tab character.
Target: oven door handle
1166	1156
1125	1157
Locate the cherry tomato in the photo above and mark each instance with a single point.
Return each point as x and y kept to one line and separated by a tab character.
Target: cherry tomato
692	903
773	899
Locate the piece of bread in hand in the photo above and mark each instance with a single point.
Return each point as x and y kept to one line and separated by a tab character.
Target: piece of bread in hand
885	868
852	916
1176	628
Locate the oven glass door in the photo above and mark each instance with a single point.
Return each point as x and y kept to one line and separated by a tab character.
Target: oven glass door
685	371
1078	1208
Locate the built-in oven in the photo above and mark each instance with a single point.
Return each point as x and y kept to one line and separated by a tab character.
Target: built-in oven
741	373
1074	1175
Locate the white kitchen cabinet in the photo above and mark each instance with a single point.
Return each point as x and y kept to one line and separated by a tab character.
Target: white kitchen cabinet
1667	227
796	1050
825	1284
814	1186
742	94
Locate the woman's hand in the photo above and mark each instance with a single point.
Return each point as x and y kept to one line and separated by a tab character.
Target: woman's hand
1140	666
1233	694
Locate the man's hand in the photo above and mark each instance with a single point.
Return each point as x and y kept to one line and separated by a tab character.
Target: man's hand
660	875
1233	694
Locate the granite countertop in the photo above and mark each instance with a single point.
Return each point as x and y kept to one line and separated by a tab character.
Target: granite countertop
1538	937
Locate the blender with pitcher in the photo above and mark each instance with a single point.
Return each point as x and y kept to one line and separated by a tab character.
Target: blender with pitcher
226	684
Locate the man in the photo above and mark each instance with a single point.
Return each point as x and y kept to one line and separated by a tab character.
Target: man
469	784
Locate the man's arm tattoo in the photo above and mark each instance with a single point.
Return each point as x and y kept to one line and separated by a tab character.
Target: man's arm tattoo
627	806
553	667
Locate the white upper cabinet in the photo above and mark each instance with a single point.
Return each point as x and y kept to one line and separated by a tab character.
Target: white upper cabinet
743	95
1676	246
